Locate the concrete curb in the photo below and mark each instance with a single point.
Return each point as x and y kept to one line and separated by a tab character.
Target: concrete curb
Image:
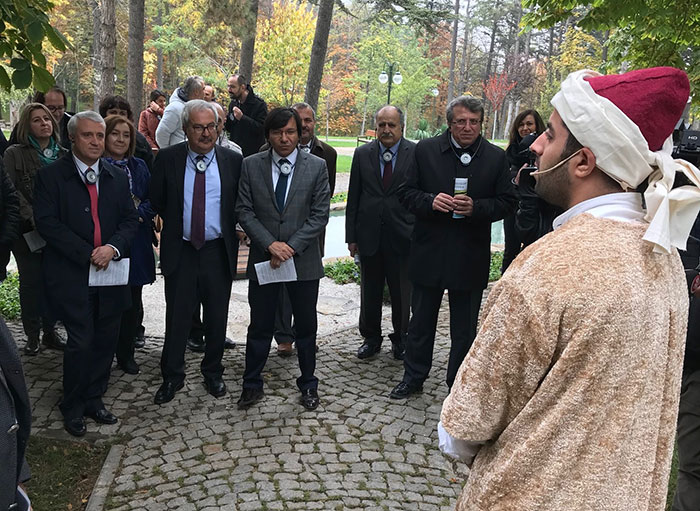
104	480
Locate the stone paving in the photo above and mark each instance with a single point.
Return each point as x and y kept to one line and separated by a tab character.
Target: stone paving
358	451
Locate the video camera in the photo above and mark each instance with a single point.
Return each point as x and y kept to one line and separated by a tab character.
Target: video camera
688	147
528	158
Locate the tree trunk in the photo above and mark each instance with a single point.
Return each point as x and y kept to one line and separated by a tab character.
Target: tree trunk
159	55
492	46
108	46
134	73
463	68
95	53
318	52
453	55
509	116
364	106
248	44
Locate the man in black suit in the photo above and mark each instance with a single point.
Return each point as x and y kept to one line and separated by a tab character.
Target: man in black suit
451	241
379	228
283	206
246	115
84	211
193	188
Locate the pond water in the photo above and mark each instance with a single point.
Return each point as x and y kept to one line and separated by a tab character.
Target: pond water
335	235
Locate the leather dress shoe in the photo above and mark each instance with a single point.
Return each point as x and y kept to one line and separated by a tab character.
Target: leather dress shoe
52	339
166	392
309	399
102	416
249	397
75	427
403	390
32	346
215	386
196	344
128	366
368	349
398	350
229	344
139	341
285	349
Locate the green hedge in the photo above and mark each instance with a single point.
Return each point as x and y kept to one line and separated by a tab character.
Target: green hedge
9	297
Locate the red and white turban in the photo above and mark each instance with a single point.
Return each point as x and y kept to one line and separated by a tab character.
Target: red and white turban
627	121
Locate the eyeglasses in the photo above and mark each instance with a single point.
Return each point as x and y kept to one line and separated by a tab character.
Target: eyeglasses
463	122
279	133
53	109
198	128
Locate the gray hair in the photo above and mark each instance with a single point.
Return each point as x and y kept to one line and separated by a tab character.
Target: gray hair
402	116
303	106
475	106
87	114
197	105
192	84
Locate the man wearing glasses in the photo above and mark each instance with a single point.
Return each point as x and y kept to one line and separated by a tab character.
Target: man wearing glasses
194	188
456	188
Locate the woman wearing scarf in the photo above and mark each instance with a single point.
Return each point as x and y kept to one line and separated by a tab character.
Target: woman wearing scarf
37	137
120	136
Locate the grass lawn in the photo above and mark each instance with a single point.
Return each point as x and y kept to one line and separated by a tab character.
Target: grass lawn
63	472
340	141
343	164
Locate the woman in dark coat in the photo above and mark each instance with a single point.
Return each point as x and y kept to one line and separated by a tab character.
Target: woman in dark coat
120	137
37	137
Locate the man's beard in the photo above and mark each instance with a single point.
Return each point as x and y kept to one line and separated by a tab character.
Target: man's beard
554	188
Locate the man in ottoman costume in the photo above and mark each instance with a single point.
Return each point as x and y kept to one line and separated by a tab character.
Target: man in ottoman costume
569	396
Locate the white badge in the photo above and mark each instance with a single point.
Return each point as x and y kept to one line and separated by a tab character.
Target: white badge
465	158
306	149
91	177
387	156
201	166
286	168
48	152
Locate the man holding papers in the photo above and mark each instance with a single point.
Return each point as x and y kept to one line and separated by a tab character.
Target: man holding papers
283	204
83	209
193	189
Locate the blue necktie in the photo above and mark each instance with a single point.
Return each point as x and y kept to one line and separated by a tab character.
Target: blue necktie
281	189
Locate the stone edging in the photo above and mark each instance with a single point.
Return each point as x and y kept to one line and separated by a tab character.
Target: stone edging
104	480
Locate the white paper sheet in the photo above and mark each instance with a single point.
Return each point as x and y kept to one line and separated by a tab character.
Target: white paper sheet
287	272
34	240
116	274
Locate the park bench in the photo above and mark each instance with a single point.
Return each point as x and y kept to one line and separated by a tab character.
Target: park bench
367	137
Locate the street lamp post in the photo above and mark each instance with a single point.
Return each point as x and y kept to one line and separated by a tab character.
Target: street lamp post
395	78
435	93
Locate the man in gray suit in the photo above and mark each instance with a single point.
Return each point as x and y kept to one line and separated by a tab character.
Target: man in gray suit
283	205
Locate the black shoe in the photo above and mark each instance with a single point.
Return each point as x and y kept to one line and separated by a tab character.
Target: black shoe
249	397
102	416
229	344
32	346
139	341
309	399
403	390
285	349
196	344
368	349
215	386
129	366
75	427
52	339
166	392
398	350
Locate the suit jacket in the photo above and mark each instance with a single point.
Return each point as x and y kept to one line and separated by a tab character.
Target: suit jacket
15	408
62	217
301	222
167	196
373	212
446	252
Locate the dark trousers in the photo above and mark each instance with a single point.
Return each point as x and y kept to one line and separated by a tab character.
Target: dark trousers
87	359
284	329
30	289
688	435
386	265
197	326
263	300
464	315
202	275
512	242
129	327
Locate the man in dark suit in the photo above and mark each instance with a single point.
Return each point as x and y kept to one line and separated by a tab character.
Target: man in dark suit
283	206
246	115
379	228
451	241
310	143
193	188
84	211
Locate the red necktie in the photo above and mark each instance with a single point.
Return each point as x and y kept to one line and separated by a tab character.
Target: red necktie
96	233
386	178
198	208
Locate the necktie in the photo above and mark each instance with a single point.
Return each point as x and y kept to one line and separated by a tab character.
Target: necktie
96	232
386	177
198	208
281	189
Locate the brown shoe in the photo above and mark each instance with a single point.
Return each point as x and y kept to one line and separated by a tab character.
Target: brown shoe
285	349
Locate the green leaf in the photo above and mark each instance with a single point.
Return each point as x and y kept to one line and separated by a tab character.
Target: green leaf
22	78
35	32
4	79
43	80
55	38
38	56
18	63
